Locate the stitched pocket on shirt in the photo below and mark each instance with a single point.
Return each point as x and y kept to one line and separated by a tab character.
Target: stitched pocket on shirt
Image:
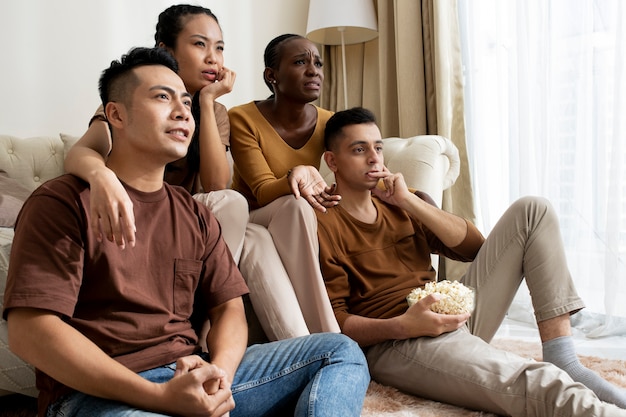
186	277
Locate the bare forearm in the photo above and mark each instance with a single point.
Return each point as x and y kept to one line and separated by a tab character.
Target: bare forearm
418	321
368	331
74	360
228	337
214	168
449	228
87	157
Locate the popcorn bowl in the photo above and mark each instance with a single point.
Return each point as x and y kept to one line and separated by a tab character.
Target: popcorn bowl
456	297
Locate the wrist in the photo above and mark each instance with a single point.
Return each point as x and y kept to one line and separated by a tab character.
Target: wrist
100	174
397	328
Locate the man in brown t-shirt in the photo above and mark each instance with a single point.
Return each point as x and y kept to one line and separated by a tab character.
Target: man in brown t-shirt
375	248
113	330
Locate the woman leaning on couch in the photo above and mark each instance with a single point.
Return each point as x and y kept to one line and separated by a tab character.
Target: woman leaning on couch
193	36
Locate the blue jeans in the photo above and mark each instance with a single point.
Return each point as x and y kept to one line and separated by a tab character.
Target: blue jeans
324	374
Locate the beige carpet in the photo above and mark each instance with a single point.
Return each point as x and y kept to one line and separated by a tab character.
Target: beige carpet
382	401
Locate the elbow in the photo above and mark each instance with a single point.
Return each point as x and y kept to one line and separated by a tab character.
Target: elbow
215	181
214	186
67	162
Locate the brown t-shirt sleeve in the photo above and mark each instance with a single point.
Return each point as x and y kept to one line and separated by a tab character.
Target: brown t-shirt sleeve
222	280
46	253
466	251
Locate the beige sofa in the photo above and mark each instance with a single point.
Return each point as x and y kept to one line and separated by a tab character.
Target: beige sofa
429	164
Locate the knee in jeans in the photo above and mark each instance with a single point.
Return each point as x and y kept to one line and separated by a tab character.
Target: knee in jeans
349	349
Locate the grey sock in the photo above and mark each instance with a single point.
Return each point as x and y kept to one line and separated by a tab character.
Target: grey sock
561	352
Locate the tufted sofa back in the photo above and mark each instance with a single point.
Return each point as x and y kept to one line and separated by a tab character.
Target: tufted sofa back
33	161
429	163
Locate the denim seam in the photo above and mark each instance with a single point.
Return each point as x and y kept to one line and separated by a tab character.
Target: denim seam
283	372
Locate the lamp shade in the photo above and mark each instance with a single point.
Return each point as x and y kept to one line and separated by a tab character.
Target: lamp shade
328	18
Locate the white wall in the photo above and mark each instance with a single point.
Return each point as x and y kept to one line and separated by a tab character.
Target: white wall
54	51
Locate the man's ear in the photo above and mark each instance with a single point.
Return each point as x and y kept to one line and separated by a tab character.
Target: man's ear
115	113
329	158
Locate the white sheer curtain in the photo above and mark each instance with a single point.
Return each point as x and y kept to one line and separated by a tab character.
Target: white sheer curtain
545	93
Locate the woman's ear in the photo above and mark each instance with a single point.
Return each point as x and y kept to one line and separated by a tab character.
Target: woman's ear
329	158
268	74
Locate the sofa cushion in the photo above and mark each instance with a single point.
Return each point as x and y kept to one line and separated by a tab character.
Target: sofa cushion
12	197
31	161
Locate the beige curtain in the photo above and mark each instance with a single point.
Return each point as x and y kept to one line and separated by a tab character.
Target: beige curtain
411	77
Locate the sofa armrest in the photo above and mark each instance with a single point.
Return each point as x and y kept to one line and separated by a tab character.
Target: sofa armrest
429	163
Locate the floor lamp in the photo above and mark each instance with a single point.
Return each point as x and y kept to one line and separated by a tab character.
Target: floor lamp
341	22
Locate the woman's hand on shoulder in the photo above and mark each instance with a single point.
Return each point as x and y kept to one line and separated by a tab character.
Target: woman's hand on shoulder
306	182
111	210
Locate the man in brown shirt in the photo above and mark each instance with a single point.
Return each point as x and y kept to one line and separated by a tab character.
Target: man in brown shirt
375	248
114	332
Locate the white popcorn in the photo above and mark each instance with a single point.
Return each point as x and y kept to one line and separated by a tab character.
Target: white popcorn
457	298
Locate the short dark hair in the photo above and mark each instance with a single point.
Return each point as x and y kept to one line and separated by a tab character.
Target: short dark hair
117	80
341	119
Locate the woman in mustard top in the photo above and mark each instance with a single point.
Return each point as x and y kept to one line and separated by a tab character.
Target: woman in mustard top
277	145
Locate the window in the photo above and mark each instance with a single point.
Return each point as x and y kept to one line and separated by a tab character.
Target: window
545	96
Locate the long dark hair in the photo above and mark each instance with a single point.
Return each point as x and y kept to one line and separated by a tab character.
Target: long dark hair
171	22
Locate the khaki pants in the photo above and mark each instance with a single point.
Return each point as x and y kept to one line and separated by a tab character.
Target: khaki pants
231	210
461	368
280	262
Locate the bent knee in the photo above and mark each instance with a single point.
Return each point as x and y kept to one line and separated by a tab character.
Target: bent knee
532	203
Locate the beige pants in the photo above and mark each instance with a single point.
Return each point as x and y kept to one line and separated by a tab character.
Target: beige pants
461	367
231	210
280	262
272	296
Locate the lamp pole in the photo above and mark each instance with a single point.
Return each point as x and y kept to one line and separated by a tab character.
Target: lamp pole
342	29
337	22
